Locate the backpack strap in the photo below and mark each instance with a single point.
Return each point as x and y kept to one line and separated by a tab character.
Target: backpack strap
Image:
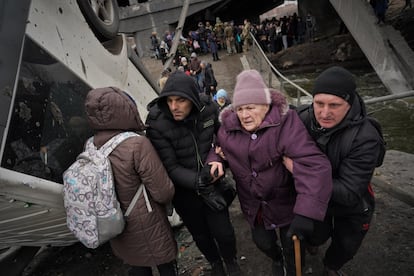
109	146
134	200
89	144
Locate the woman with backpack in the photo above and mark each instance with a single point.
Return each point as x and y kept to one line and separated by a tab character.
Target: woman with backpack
147	239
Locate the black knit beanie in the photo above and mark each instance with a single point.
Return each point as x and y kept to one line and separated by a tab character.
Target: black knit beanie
336	81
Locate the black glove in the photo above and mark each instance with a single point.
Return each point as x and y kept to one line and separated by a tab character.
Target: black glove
301	226
204	177
227	187
208	192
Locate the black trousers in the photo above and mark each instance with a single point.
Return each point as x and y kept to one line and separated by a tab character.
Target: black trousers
168	269
212	231
267	242
346	233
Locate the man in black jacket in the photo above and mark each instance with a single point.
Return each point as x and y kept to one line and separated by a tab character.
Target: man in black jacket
210	83
181	125
338	122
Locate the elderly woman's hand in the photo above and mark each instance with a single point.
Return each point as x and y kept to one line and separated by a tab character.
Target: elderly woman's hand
220	153
288	163
216	170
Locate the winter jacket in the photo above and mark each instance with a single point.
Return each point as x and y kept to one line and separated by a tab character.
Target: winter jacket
178	142
194	66
212	41
209	78
222	107
263	182
352	169
147	239
245	34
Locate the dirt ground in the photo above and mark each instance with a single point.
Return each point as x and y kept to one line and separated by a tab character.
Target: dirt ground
387	250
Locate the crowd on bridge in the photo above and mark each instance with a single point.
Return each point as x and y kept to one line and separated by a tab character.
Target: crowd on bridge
228	38
276	34
273	34
205	38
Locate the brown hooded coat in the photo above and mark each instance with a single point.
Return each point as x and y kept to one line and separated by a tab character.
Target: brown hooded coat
147	239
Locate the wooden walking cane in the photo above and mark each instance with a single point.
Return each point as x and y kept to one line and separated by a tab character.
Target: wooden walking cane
298	261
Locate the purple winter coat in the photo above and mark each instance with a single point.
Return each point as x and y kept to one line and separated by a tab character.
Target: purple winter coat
262	180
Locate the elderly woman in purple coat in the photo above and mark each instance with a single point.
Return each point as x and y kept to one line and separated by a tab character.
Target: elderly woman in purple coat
256	133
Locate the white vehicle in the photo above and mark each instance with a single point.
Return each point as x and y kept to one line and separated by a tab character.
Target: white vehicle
49	59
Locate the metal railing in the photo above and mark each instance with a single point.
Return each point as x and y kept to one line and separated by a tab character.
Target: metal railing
270	74
275	79
401	95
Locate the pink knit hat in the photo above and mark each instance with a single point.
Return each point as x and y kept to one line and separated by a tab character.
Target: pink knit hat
250	89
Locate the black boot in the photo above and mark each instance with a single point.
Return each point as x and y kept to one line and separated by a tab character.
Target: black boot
217	268
330	272
278	268
217	58
233	268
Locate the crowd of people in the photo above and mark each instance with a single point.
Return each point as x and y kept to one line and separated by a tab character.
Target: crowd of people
276	34
211	39
204	39
273	35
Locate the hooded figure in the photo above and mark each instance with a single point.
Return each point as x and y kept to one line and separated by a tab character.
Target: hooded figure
147	239
209	80
222	99
181	125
